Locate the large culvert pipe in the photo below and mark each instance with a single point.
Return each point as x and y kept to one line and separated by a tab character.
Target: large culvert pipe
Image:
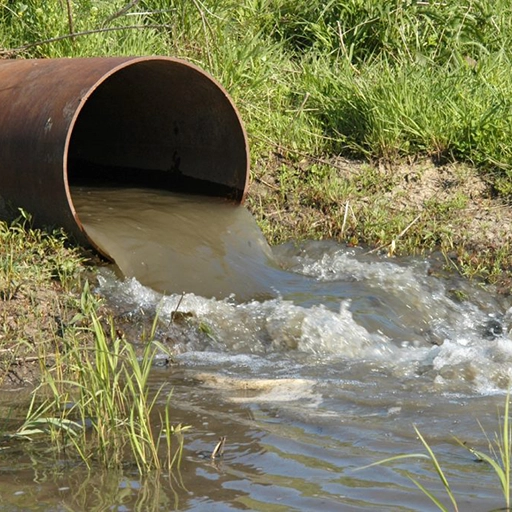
145	121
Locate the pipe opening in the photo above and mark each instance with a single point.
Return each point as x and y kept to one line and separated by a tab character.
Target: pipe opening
159	123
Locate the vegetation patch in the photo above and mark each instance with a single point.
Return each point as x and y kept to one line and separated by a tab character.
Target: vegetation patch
41	278
412	207
88	384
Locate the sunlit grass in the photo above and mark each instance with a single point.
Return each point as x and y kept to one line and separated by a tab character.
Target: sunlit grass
379	80
97	404
91	396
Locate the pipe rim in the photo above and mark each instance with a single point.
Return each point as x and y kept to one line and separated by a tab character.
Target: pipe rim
129	62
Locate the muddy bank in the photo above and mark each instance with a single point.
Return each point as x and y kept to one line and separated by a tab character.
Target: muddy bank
413	207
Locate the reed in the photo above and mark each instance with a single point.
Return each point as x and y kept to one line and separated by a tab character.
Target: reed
97	404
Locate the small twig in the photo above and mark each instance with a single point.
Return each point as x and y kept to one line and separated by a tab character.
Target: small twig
305	155
269	185
12	51
392	245
218	451
302	105
121	12
70	18
173	314
347	205
28	359
147	13
353	215
416	219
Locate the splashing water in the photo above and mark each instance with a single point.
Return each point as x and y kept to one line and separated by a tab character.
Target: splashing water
319	304
314	359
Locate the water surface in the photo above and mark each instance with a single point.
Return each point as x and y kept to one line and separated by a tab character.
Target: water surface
323	371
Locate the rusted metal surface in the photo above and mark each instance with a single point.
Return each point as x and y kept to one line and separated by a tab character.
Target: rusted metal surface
158	120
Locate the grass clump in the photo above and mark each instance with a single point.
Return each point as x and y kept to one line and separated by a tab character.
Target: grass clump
91	395
379	80
40	279
375	79
101	407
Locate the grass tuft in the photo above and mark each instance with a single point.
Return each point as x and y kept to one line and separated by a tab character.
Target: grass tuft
103	409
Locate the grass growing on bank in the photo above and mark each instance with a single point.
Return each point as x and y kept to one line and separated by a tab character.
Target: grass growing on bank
380	82
40	277
96	404
91	399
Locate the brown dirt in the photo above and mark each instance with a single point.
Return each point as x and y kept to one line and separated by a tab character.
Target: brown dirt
448	207
33	322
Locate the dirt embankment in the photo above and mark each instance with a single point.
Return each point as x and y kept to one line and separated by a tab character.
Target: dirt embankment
409	208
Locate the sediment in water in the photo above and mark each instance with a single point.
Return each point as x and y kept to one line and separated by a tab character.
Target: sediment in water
178	243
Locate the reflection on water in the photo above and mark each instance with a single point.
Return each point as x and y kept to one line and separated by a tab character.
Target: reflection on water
325	372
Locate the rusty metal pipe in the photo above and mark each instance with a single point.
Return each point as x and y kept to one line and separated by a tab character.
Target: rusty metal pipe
153	121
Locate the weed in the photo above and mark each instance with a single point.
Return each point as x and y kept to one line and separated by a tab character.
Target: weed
102	409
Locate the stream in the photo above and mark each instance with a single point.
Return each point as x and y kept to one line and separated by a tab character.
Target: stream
314	359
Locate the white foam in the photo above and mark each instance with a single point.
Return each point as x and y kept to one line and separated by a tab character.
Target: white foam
417	307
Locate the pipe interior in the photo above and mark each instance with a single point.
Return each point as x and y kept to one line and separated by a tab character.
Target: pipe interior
160	124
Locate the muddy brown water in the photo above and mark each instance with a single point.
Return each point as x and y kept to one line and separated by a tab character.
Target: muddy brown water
314	359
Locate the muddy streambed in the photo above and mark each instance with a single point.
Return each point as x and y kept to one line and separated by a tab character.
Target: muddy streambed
323	368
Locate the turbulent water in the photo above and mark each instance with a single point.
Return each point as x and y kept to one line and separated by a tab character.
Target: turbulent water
323	368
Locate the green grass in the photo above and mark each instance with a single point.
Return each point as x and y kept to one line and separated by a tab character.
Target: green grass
97	405
363	78
40	277
91	399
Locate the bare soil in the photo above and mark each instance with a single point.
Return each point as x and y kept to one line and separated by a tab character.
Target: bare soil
449	207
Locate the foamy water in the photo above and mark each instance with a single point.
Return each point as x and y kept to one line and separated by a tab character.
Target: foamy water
350	308
323	368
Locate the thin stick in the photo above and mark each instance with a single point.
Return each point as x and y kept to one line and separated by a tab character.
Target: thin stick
347	204
121	12
269	185
302	105
173	314
12	51
409	226
70	18
400	235
287	149
218	451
